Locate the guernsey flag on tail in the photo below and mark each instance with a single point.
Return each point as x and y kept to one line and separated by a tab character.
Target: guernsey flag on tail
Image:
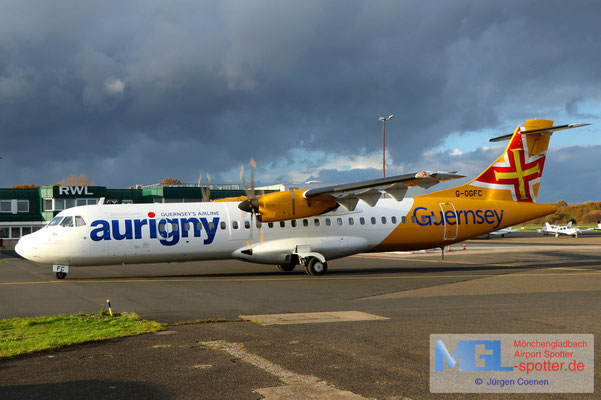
517	173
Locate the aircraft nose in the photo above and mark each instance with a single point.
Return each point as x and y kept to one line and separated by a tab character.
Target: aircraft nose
24	247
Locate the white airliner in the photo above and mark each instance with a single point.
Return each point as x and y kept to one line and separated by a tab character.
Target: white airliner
306	227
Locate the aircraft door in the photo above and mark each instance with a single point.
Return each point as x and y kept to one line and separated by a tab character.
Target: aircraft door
451	222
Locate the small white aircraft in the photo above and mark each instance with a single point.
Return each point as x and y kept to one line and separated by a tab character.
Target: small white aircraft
568	230
505	231
306	227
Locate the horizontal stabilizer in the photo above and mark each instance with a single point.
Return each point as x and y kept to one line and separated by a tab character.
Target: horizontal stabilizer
548	131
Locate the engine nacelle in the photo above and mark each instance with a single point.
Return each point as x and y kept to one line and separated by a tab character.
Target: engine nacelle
281	206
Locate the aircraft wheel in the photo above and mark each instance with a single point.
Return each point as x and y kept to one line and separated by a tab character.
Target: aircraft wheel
61	275
286	267
316	267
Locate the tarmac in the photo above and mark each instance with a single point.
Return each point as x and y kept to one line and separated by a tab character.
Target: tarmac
359	332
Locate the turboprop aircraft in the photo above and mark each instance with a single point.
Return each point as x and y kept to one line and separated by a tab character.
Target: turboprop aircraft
306	227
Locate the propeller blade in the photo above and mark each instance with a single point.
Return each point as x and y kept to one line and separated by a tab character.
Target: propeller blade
205	190
253	167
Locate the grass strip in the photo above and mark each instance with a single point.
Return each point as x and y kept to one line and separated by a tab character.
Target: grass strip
21	336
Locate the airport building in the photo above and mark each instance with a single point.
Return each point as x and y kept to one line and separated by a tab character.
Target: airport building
23	211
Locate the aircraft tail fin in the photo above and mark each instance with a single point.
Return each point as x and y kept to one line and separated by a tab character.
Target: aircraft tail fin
516	174
547	225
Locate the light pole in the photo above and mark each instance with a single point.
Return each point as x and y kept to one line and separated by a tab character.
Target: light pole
383	119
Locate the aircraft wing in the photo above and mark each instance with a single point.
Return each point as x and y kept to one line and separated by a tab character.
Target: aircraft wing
349	194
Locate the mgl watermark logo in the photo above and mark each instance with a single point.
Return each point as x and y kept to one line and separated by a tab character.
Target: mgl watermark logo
466	353
511	363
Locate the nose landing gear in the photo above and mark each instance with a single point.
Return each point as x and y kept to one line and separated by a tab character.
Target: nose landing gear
61	271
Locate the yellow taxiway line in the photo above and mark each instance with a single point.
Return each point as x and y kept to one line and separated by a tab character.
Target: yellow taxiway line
314	279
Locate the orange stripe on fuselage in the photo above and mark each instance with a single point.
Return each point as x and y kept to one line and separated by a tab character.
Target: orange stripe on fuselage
425	227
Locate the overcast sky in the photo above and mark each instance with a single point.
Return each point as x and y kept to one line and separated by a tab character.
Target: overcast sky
130	92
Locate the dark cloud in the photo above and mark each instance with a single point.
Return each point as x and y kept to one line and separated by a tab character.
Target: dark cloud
133	92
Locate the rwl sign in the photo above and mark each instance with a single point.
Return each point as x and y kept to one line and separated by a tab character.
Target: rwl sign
74	191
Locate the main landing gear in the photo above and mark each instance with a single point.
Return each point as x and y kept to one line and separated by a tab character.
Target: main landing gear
286	267
313	265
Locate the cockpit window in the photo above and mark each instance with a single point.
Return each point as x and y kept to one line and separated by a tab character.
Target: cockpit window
79	221
55	221
68	221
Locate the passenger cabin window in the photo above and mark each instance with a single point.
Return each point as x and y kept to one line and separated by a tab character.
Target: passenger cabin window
67	221
282	224
222	225
413	219
383	220
328	222
247	224
305	222
373	220
362	221
351	221
199	226
235	224
316	222
339	221
393	220
211	226
404	219
79	221
258	224
270	224
293	223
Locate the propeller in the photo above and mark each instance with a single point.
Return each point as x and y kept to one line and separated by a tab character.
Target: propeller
251	205
206	190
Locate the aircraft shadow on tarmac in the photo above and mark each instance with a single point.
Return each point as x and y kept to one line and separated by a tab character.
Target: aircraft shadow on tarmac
82	389
300	273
